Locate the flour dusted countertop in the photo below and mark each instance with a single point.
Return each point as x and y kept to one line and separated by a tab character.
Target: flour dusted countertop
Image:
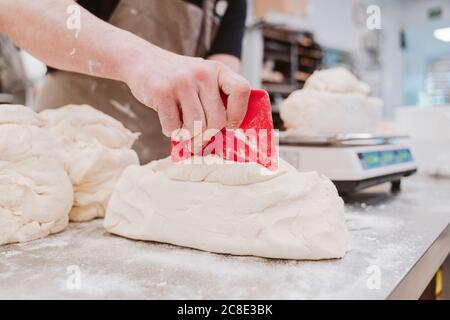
398	242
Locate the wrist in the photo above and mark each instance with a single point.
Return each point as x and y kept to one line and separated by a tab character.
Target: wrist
138	54
126	58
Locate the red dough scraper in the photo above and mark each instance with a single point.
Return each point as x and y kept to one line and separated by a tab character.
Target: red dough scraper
254	141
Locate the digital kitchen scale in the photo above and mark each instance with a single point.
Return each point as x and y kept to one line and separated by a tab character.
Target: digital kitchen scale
352	161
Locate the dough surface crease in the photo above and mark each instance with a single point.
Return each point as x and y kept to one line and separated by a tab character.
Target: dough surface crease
230	208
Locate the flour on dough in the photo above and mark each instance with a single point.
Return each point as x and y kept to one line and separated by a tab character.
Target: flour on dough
97	148
35	191
231	208
332	101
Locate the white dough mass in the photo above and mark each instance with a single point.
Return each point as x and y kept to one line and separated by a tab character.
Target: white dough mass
332	101
233	208
97	148
35	191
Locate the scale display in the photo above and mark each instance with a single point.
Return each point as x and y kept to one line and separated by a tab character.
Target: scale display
378	159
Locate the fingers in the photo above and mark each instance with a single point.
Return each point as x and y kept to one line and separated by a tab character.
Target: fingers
169	116
190	98
238	91
193	116
213	107
194	119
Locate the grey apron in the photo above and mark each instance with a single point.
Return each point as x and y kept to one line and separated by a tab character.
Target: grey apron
174	25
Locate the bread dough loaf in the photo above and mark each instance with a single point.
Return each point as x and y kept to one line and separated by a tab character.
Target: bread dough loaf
337	80
97	148
332	101
35	191
233	208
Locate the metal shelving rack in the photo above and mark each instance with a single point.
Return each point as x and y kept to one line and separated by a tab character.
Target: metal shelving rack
292	52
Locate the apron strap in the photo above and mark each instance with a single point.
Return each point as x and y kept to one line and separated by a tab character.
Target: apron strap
208	27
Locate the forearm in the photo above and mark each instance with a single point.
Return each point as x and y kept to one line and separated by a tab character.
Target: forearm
96	48
181	89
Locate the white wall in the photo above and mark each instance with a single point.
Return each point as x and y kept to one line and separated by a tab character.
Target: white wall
398	15
391	55
331	21
415	12
333	24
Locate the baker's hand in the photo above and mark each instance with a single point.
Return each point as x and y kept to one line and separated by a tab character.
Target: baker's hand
184	90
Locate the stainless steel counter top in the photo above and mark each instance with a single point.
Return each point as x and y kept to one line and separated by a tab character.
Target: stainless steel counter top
398	242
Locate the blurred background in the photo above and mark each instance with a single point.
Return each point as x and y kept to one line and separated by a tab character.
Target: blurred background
405	60
400	48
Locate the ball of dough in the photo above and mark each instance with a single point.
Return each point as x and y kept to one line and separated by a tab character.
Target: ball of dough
232	208
332	101
97	148
336	80
310	113
35	191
